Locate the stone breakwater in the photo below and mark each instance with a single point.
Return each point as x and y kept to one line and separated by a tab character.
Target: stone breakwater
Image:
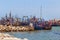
15	28
5	36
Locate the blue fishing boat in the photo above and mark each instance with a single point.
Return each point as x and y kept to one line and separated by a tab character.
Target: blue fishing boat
40	24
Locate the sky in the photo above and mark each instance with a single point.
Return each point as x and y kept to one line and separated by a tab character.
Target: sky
19	8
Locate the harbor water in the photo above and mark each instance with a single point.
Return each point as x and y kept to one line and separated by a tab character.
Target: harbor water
53	34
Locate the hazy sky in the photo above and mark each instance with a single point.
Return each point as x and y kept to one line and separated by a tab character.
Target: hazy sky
50	8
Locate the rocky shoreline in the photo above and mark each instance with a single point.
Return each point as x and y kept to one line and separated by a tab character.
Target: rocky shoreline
15	28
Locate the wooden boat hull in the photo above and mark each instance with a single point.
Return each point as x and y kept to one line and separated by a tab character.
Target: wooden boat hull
42	28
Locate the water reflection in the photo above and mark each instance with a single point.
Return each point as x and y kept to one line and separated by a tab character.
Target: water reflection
53	34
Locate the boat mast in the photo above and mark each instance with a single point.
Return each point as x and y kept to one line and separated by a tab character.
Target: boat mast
41	13
10	14
6	16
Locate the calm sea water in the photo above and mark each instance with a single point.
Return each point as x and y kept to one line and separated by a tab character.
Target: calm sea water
53	34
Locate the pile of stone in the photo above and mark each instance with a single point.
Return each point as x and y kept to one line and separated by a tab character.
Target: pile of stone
15	28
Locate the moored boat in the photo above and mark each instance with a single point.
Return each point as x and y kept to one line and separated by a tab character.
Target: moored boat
40	25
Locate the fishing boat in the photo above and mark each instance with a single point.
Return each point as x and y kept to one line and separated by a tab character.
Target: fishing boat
40	25
55	22
31	23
